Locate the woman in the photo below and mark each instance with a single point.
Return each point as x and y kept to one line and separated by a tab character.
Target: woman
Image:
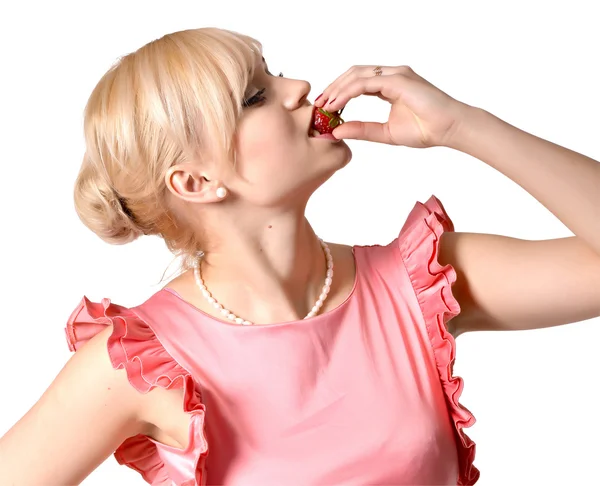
275	357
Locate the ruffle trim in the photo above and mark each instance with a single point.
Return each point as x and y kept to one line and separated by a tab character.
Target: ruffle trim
419	242
134	347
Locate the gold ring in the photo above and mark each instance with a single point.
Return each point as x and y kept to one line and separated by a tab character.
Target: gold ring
377	71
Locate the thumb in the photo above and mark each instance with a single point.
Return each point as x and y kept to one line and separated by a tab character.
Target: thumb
371	131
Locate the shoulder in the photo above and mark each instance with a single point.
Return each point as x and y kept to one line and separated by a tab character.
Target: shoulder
92	365
110	340
143	371
424	244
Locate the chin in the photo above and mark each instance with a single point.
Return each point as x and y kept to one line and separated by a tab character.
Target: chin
348	154
323	167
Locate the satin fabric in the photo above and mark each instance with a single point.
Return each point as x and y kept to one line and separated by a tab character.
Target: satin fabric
362	394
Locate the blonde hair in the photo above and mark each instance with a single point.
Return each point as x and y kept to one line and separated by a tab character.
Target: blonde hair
177	98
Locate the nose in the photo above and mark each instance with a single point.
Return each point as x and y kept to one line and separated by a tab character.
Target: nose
297	94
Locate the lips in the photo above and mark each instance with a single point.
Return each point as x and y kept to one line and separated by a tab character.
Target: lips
312	131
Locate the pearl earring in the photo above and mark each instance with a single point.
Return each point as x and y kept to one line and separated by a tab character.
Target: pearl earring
221	192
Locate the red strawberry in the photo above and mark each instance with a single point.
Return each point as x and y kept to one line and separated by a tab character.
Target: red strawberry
325	122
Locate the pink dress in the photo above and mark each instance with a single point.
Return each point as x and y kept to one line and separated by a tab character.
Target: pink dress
362	394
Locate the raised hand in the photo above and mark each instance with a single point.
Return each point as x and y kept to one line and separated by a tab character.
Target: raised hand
421	115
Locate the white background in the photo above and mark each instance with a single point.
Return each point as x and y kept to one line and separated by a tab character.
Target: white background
533	64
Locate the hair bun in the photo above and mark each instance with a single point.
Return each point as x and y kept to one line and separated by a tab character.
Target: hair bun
102	210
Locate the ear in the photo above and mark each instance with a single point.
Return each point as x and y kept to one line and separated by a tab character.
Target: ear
190	183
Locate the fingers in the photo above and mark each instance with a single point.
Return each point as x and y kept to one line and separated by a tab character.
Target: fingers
370	131
332	91
387	87
360	80
326	95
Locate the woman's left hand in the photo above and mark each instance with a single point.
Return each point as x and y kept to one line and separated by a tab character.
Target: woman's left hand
421	115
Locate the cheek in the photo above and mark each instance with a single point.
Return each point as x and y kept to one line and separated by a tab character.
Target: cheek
264	144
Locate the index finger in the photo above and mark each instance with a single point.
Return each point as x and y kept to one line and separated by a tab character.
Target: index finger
331	88
385	87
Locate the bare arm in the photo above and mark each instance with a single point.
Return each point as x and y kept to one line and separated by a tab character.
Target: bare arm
508	284
79	421
566	182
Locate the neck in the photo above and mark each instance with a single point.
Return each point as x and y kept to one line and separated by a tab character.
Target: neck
273	274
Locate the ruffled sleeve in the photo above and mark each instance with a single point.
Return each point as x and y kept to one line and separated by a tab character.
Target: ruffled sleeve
419	246
134	347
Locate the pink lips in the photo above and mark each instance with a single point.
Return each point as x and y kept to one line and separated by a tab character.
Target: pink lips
327	136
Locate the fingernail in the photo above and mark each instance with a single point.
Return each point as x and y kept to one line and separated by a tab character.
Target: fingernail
318	97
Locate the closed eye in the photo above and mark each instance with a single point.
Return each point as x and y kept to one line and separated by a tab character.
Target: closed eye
255	99
258	96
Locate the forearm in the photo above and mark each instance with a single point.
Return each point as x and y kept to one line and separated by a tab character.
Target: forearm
565	182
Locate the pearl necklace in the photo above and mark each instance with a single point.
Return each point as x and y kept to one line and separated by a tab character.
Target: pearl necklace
232	317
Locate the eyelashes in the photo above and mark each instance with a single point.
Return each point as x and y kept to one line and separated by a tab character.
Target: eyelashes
258	97
255	99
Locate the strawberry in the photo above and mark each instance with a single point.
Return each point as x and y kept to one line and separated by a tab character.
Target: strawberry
325	122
